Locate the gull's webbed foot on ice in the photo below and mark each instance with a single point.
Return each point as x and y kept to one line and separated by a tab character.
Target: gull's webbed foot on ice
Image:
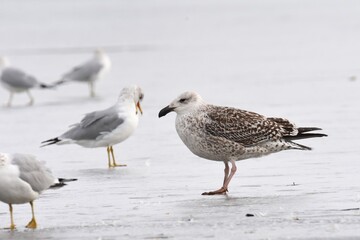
32	224
12	227
217	192
118	165
113	163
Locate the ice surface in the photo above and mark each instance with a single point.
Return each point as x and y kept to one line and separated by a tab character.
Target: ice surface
294	59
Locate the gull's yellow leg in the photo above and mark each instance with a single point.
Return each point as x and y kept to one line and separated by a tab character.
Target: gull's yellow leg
109	158
12	225
113	157
32	224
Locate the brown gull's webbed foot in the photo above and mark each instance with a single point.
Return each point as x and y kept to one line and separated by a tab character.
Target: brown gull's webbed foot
217	192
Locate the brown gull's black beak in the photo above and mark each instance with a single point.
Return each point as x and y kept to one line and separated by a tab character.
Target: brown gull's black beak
165	111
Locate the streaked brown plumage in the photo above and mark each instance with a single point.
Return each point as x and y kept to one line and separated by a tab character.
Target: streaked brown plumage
229	134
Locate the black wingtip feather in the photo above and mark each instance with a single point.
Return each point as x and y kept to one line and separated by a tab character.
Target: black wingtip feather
62	182
57	185
46	86
50	142
308	129
305	135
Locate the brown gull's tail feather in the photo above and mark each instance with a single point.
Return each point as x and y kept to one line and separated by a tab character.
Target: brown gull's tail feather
303	132
307	129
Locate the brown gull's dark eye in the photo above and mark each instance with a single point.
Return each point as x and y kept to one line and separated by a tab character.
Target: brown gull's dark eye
182	100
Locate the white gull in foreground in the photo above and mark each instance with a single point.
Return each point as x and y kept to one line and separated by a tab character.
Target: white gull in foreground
107	127
22	179
229	134
17	81
89	71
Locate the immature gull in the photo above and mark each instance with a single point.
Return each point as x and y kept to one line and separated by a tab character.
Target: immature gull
107	127
89	71
22	179
17	81
229	134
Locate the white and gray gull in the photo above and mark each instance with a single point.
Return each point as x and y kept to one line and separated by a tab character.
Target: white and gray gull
107	127
228	134
88	72
17	81
22	180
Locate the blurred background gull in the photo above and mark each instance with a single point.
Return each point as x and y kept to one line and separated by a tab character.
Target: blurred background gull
89	71
17	81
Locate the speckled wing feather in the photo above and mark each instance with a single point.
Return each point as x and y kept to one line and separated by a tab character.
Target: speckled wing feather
287	128
246	128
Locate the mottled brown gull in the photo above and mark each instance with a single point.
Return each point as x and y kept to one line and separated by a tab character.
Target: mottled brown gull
229	134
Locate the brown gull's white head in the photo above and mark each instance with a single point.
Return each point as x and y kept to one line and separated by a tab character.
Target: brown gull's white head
228	134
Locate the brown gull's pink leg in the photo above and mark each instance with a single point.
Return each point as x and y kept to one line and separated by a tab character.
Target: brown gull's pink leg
227	179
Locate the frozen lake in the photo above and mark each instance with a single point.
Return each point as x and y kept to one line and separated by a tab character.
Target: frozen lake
293	59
